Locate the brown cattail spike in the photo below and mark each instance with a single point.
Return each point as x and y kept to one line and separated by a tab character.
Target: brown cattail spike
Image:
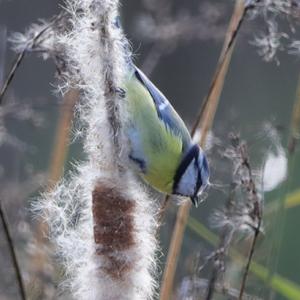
113	228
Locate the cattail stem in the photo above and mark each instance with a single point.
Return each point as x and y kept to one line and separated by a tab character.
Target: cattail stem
100	218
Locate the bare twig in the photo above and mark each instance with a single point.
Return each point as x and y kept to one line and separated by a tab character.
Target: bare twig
11	74
250	256
12	251
238	214
236	22
20	56
253	203
204	122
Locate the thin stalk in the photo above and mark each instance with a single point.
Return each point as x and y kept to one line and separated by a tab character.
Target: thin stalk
203	121
216	85
3	217
255	214
19	57
12	252
11	74
249	260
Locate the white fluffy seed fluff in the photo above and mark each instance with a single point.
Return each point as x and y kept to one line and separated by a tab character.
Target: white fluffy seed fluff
100	262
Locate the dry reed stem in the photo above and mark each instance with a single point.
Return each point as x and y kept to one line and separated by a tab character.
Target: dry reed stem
204	122
62	138
216	85
256	213
59	153
12	251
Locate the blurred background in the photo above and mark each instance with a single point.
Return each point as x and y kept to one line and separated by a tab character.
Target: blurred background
177	44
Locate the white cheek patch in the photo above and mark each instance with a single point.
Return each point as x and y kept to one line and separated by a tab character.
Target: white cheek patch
188	181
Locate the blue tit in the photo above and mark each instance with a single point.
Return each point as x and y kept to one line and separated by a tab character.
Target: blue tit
161	147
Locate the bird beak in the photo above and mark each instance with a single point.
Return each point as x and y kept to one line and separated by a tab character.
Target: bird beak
195	200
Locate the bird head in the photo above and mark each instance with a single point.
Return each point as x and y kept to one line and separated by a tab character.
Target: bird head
192	175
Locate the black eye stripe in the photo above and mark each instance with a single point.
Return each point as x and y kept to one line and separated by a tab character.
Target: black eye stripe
199	180
192	153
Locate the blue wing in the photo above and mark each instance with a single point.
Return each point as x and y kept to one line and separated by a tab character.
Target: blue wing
164	109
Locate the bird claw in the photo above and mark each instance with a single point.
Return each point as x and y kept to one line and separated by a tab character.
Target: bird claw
120	92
